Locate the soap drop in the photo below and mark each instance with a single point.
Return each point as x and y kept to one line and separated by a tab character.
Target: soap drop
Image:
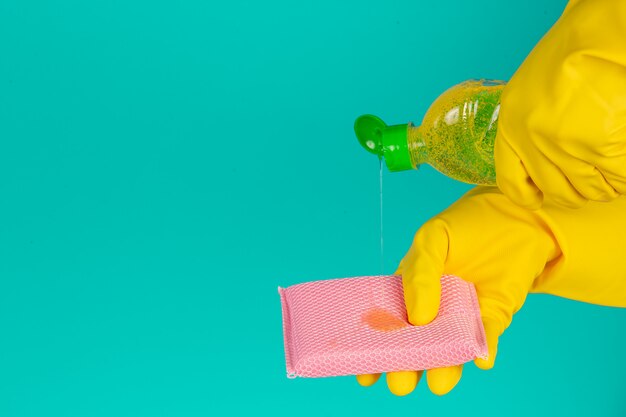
383	320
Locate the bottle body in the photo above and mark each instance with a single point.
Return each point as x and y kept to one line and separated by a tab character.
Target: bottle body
458	132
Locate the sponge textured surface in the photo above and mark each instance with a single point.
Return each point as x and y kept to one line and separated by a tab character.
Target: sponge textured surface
353	326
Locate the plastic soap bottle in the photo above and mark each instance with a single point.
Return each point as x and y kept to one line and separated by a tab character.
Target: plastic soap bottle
456	136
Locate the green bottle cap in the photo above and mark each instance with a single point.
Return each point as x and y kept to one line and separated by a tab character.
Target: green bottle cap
389	142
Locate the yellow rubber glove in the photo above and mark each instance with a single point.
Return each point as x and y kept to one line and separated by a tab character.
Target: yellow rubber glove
508	251
562	125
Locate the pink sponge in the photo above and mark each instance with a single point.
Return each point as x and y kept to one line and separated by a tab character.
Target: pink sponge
355	326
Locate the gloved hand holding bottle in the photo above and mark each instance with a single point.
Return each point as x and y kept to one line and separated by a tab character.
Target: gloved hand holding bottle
556	131
562	129
508	251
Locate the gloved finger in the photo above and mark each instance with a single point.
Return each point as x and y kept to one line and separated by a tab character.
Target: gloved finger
583	175
552	182
442	380
614	170
512	177
403	382
422	269
492	333
367	380
589	181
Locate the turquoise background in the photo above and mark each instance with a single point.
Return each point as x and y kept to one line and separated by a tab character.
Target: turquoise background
165	166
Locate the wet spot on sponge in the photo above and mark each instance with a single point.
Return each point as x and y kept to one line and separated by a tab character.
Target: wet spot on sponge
383	320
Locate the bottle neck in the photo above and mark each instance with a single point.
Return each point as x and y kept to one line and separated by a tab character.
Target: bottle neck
417	146
395	148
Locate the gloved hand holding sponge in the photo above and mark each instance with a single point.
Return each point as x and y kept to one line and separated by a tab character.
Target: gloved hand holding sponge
556	224
508	251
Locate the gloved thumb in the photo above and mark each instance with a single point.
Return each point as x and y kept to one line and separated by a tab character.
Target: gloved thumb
513	178
421	271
